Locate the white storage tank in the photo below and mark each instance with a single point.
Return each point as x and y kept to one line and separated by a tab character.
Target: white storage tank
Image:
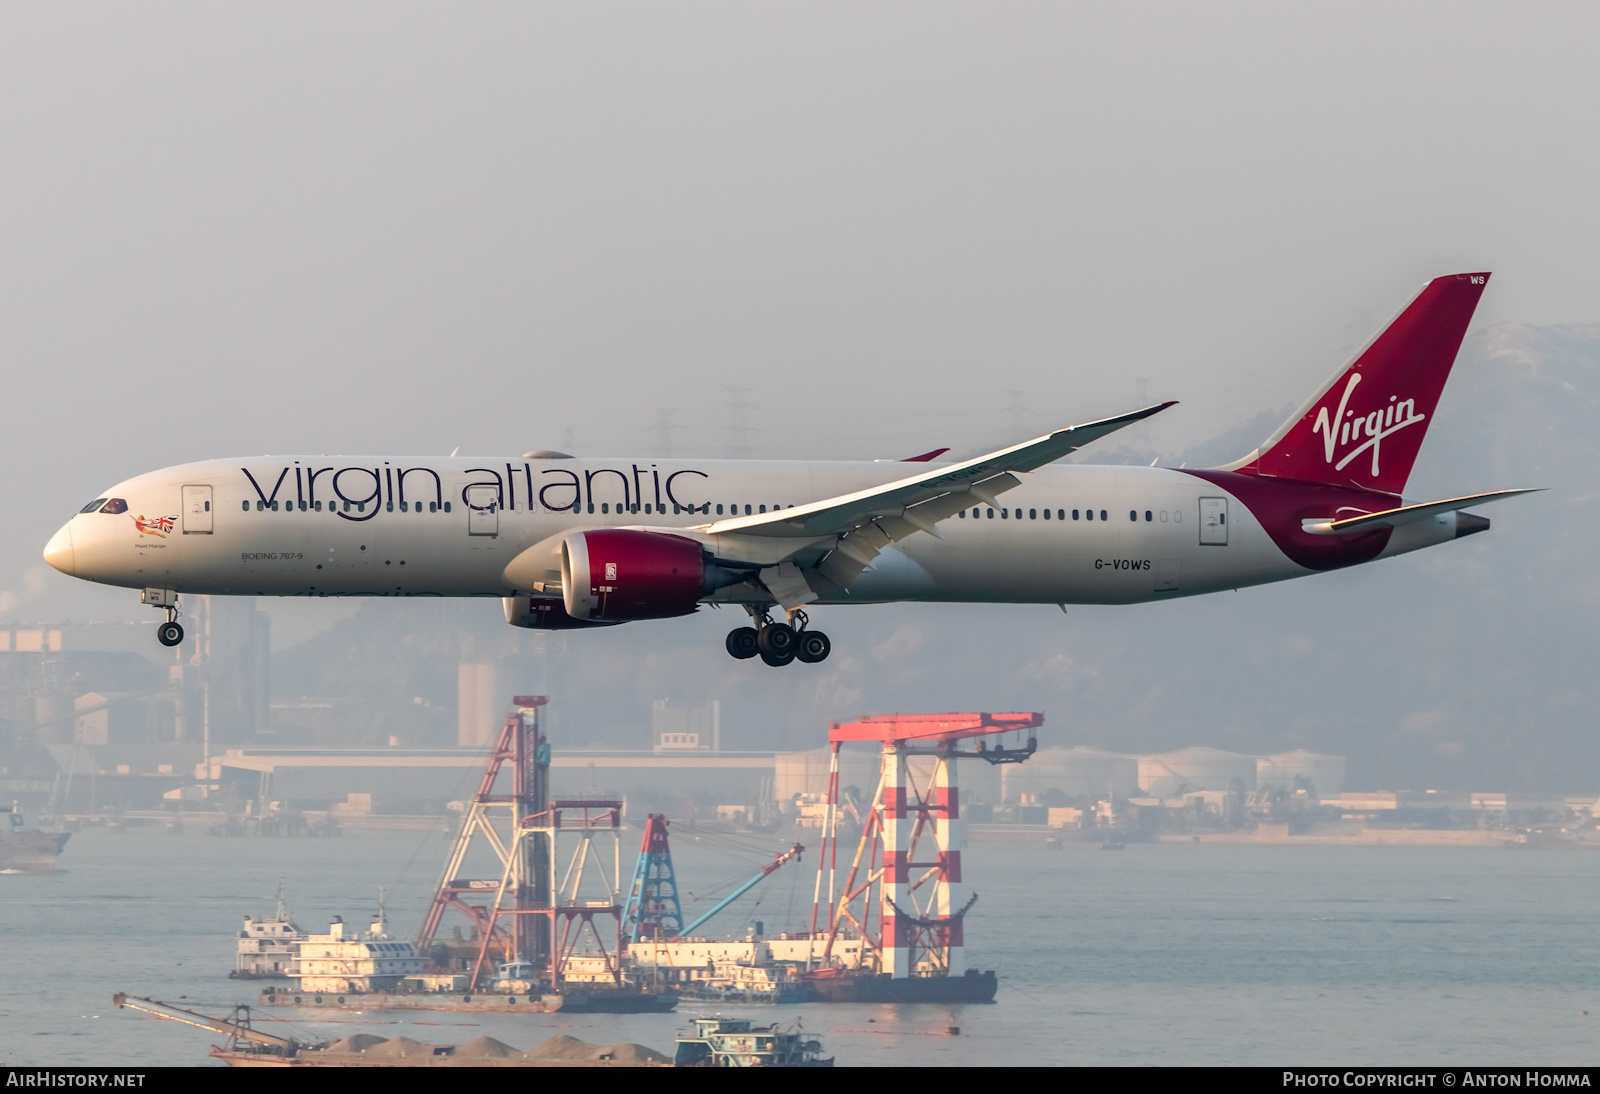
1319	772
1075	772
1199	768
806	773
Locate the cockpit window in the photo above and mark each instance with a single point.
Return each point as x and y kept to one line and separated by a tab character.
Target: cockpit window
93	505
115	505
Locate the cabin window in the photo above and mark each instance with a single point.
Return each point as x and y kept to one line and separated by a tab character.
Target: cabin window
1088	514
317	505
1103	514
403	508
962	514
246	505
1061	514
747	510
1133	514
388	506
1074	514
763	508
1163	516
647	507
274	505
1005	514
991	514
605	507
719	510
676	509
1047	514
446	507
1033	514
1148	517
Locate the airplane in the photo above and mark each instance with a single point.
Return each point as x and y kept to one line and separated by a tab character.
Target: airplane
577	543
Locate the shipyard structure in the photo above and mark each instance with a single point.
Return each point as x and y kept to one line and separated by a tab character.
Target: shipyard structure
547	916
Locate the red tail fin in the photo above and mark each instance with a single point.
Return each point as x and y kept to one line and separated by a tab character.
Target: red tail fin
1365	428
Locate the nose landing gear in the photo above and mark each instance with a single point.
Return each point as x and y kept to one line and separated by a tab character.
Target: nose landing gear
169	633
778	644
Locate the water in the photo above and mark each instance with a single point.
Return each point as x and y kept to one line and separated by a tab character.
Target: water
1160	954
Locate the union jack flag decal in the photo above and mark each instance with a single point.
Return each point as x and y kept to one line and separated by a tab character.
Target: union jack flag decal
155	526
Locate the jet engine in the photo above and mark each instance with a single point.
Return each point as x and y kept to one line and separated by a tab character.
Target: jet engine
616	574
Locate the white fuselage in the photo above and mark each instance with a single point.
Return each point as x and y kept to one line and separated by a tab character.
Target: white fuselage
352	526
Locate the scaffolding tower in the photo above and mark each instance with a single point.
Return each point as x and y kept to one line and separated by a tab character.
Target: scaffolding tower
524	914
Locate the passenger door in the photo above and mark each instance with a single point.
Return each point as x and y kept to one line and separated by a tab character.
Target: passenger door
197	510
483	511
1213	522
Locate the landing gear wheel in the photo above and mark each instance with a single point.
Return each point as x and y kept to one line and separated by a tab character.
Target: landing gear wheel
813	646
742	642
778	640
778	660
169	634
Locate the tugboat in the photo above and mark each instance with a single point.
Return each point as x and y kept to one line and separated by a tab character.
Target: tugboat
738	1042
269	946
28	850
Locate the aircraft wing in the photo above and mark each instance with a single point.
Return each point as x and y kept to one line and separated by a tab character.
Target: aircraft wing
869	520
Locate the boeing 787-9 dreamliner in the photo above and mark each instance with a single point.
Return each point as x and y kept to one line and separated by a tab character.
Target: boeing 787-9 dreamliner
567	542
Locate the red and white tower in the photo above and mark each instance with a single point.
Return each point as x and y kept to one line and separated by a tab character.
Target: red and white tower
909	856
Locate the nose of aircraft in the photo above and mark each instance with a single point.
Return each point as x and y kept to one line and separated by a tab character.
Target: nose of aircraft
58	552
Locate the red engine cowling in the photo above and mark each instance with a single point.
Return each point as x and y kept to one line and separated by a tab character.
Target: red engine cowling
618	573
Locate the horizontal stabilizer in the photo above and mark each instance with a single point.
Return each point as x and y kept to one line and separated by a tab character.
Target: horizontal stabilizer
1405	514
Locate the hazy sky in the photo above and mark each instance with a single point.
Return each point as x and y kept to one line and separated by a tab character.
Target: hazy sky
247	228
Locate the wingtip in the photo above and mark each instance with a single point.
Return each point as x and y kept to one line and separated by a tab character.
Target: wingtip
1150	410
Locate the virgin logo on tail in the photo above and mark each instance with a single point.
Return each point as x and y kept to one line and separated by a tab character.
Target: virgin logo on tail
1347	427
1411	357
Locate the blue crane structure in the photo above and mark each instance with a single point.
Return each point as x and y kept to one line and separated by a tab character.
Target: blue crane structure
653	909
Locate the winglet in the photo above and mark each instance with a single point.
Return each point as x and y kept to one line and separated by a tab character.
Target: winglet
926	456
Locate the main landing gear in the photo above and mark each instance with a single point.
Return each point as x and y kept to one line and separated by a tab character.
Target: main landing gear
779	643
